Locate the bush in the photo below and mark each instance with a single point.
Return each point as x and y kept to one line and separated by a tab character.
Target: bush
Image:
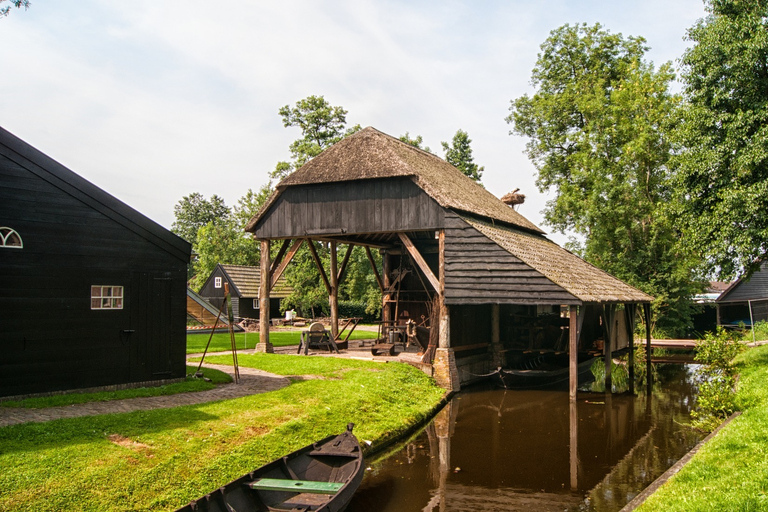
716	399
356	309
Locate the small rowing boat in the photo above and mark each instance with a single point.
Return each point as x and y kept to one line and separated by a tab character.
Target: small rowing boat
321	477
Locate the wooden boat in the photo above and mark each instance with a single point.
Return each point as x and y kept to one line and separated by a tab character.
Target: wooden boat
321	477
547	375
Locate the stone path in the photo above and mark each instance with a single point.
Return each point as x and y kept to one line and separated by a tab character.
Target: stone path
252	381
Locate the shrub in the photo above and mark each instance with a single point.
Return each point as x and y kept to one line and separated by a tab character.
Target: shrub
716	399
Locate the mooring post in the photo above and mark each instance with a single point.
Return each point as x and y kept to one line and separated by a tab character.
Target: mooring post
573	351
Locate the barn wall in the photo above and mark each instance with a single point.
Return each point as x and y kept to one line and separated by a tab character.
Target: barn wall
366	206
754	288
478	271
50	338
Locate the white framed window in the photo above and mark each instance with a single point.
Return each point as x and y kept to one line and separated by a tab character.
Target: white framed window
10	239
106	297
217	282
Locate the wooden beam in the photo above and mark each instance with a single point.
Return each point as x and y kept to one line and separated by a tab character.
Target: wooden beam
573	348
333	296
279	256
275	275
375	270
630	311
444	340
264	345
344	262
434	281
319	264
608	311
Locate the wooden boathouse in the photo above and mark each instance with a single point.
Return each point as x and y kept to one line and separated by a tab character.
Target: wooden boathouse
91	291
498	289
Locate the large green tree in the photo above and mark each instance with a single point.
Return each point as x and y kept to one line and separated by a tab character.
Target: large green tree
459	155
194	211
723	173
321	124
598	128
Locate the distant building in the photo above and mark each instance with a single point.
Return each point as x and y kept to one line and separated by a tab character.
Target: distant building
244	286
745	300
92	293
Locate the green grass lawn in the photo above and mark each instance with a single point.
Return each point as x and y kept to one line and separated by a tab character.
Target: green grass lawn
731	471
162	459
221	342
215	376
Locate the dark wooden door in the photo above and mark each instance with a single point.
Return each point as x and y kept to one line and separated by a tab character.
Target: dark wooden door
150	357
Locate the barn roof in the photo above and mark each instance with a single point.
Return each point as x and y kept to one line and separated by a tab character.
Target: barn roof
78	187
246	281
371	154
581	279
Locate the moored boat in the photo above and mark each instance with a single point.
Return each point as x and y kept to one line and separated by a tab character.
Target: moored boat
544	376
321	477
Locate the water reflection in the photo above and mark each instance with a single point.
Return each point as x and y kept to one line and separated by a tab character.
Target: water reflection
492	449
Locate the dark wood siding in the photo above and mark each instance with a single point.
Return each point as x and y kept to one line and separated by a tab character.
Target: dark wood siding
50	339
478	271
366	206
754	288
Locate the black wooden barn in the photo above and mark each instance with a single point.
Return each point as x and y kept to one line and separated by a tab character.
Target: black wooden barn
92	293
498	285
745	301
243	284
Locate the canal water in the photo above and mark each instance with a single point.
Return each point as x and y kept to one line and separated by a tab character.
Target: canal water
494	449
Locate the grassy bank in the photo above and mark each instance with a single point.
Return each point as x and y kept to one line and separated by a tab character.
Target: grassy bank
731	471
160	460
221	342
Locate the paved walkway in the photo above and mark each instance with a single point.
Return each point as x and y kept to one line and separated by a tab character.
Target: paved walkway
252	381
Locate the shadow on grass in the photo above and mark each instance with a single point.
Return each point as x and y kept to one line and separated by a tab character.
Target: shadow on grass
55	434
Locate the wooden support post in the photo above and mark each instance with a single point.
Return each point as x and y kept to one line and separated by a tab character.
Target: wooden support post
333	296
319	265
573	351
264	285
498	355
648	349
629	316
608	314
444	367
345	261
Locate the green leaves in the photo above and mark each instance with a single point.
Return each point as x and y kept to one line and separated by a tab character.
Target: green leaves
724	168
599	130
459	155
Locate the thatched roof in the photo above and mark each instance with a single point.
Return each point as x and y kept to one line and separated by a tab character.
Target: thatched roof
371	154
247	279
581	279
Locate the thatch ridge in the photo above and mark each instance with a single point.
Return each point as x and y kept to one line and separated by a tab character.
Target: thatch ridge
371	154
562	267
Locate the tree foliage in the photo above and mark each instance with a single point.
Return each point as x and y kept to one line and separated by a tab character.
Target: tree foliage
459	155
5	11
194	211
322	125
417	142
598	128
723	174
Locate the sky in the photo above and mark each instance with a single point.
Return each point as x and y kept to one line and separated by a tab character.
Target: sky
152	101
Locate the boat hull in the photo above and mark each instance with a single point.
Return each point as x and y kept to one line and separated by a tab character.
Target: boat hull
321	477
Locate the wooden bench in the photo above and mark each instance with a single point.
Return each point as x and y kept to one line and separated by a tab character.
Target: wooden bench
278	484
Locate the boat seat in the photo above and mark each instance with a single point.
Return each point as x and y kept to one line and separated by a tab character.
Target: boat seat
279	484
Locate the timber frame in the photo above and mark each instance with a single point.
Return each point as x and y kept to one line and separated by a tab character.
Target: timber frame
442	237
